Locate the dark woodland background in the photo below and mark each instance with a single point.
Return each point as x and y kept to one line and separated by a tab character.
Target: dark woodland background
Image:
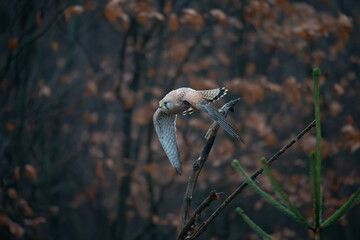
80	80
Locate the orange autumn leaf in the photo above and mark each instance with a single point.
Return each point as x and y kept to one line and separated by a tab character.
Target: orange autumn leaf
73	10
35	222
179	50
13	43
149	168
219	16
91	88
173	22
30	171
38	19
14	228
91	118
45	91
53	210
12	193
99	172
143	115
271	140
338	89
89	5
9	127
113	10
17	173
55	46
335	108
167	7
192	18
109	96
224	59
250	68
28	212
110	13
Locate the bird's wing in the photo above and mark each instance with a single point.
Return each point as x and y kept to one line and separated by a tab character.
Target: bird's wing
165	127
220	119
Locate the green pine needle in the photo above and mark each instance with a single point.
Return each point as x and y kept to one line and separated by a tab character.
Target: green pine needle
342	210
316	167
283	196
262	193
253	225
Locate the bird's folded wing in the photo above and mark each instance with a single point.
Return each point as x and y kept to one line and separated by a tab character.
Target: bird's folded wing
220	119
165	126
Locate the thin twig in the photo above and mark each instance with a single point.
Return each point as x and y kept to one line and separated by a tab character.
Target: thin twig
212	197
244	184
210	136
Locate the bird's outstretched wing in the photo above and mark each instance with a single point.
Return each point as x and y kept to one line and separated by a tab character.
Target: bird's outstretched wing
165	127
220	119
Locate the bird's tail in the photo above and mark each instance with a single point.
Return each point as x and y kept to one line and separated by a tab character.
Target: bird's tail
220	119
213	94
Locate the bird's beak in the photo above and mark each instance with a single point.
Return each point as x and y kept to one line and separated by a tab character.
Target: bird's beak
161	105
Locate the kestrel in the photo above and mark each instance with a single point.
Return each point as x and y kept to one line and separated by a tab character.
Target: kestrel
186	100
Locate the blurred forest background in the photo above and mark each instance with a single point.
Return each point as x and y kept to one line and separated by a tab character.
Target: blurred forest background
80	80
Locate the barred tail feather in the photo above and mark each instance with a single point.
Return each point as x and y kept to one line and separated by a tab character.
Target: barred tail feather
220	119
213	94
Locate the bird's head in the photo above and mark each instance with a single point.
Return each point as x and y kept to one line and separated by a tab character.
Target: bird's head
166	104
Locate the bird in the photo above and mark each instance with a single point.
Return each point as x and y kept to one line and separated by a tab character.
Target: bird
186	101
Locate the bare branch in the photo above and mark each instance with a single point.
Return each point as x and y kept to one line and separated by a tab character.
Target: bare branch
199	163
195	216
244	184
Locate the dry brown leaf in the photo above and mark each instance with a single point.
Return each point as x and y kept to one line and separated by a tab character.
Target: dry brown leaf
219	15
338	89
167	7
12	193
99	172
179	50
45	91
335	108
90	88
226	148
13	43
17	173
75	9
276	88
292	91
35	222
128	98
271	139
143	115
30	171
54	46
15	229
91	118
109	96
53	210
192	18
250	68
89	5
27	210
79	200
233	21
113	10
38	19
173	22
9	127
